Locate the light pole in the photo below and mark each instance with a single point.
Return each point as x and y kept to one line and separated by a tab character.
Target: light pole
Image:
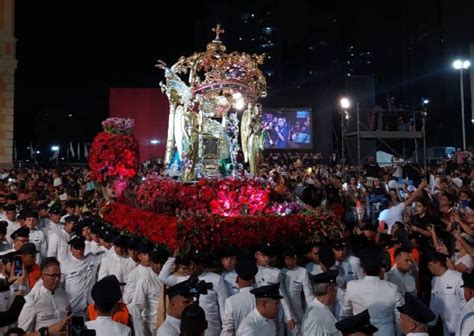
345	104
462	65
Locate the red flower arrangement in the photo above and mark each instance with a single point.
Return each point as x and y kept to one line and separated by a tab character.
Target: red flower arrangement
215	232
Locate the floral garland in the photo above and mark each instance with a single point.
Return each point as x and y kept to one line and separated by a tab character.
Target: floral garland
215	232
118	125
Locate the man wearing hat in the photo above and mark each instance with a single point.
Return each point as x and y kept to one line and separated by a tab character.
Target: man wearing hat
262	320
58	241
13	224
70	206
357	325
414	317
36	236
447	295
48	303
43	215
268	275
318	318
106	294
179	298
20	237
79	274
228	260
28	253
296	284
466	320
116	261
53	224
241	304
380	297
147	291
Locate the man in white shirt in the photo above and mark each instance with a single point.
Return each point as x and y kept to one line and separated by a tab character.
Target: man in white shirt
116	261
401	273
20	237
53	224
106	294
46	304
36	236
414	317
447	295
228	260
13	224
80	272
261	320
318	319
238	306
380	297
58	240
179	297
148	290
466	320
357	325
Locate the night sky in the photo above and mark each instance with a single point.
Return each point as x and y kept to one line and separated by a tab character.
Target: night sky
70	53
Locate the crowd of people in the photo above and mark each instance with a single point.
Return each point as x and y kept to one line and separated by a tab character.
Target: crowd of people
402	266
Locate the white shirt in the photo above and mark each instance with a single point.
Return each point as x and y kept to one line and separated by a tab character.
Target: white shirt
170	327
92	247
146	297
79	277
213	302
296	283
447	299
113	264
466	320
237	307
230	279
170	279
319	320
58	244
380	297
132	279
105	326
12	227
43	308
50	226
466	260
392	215
38	238
406	282
349	269
313	269
254	324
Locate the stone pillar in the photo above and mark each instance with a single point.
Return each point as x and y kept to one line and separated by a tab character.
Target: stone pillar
8	64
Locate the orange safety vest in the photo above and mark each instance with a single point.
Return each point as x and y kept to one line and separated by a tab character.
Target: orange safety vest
120	315
33	275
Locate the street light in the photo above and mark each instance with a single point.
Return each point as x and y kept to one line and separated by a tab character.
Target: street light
426	101
55	148
345	104
462	65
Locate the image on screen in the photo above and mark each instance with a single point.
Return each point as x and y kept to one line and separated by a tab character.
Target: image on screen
287	128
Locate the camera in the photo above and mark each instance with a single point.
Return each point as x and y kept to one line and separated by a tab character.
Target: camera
198	287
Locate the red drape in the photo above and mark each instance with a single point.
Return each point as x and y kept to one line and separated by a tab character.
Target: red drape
149	109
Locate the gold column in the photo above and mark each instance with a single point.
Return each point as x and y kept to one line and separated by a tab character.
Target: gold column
8	64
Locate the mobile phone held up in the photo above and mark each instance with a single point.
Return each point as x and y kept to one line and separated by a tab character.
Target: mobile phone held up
18	266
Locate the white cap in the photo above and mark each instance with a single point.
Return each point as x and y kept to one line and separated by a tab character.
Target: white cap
57	182
63	197
392	184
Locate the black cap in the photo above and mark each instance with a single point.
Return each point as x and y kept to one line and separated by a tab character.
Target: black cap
416	310
182	289
229	251
21	232
9	207
246	270
326	277
28	213
339	244
120	241
158	255
270	292
55	209
200	257
357	323
145	247
78	242
434	255
133	243
106	234
326	256
3	227
107	290
193	319
8	256
28	249
290	251
73	218
468	279
42	206
265	249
